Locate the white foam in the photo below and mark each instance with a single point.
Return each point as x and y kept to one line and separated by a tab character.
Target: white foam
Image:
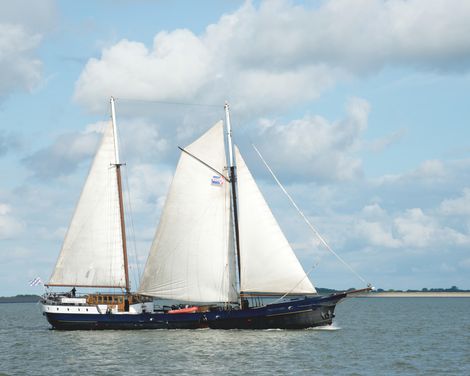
326	327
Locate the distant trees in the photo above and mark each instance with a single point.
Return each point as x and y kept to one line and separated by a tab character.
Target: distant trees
440	289
426	289
20	299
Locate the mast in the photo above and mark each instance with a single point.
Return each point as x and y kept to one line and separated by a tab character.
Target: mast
118	165
233	181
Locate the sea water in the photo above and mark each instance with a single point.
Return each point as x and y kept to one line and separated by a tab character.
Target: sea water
370	336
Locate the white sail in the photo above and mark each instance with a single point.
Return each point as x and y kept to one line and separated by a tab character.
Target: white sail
189	259
268	263
92	253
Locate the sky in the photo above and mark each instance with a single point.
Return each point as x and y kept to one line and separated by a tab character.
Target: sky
359	106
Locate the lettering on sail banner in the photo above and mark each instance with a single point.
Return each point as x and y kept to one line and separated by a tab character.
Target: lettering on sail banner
217	180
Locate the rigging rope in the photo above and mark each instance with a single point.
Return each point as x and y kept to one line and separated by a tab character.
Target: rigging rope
172	103
292	289
130	216
317	234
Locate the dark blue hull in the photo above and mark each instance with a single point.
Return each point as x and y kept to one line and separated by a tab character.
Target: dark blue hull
297	314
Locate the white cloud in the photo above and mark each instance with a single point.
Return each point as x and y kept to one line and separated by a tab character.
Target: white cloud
377	234
384	142
142	140
66	153
313	148
8	141
148	187
9	225
22	25
410	229
432	172
373	211
431	169
174	69
269	57
416	229
35	16
457	206
20	68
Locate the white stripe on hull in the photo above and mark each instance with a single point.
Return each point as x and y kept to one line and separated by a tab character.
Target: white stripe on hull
134	309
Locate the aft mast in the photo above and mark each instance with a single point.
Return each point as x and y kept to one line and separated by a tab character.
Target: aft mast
118	165
233	181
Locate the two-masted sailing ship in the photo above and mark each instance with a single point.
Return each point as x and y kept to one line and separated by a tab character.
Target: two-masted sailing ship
216	249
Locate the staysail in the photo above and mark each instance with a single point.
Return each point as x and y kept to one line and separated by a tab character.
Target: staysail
92	253
190	257
268	263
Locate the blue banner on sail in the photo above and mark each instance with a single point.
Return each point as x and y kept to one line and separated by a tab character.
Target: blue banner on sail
217	180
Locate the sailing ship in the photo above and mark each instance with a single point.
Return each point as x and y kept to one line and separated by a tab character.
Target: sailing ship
218	249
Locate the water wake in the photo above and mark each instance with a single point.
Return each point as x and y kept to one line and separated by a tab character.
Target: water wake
331	327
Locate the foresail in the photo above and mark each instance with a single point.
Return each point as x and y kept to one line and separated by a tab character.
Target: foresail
268	263
190	255
92	253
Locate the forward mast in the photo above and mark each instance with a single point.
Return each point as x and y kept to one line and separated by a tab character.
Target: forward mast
118	165
233	182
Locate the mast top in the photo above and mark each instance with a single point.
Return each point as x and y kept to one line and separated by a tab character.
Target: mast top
113	120
229	134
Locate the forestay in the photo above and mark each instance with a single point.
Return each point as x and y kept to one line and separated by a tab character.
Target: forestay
92	253
268	263
190	255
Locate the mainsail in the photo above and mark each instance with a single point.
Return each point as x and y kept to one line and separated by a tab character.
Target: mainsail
268	263
92	253
190	258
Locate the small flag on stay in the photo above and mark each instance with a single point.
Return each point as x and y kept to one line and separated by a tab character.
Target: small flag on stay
36	282
217	180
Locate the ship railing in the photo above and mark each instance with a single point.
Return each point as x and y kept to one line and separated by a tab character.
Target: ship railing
64	299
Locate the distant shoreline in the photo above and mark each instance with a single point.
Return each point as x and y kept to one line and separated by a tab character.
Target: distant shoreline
417	294
20	299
